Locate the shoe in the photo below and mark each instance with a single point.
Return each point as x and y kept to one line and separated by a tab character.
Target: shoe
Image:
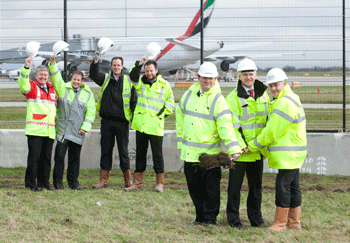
237	226
259	225
59	186
104	176
281	219
34	189
194	223
76	188
209	222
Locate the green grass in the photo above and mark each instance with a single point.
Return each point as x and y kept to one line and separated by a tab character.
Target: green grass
307	94
317	119
147	216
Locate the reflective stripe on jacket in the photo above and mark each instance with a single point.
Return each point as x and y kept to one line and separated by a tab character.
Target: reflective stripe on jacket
249	116
75	111
203	122
126	95
284	137
152	101
41	106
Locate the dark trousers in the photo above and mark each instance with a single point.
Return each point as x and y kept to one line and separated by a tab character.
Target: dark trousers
74	150
111	131
288	193
254	172
38	162
204	188
141	152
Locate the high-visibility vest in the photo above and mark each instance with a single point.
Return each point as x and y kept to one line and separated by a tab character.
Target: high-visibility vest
249	117
150	101
41	106
126	95
203	122
283	140
75	111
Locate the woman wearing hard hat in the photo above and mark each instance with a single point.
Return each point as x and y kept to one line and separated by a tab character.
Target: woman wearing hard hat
283	141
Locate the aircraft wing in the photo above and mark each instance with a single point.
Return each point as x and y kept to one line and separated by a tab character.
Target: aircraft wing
186	46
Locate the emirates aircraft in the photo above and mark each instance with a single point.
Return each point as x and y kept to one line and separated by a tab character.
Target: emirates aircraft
175	53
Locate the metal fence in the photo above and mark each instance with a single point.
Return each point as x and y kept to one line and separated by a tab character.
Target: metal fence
308	39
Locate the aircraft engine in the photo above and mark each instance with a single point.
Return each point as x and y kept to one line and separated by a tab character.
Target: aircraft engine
173	71
225	65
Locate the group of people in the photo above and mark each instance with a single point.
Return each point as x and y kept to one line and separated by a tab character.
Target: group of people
251	126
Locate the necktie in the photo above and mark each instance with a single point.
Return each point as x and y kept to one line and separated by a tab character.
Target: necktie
251	91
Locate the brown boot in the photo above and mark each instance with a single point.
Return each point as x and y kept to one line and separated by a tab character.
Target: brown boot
104	176
138	177
160	182
294	218
127	178
281	219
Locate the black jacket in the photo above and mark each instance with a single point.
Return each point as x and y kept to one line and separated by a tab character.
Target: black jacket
112	99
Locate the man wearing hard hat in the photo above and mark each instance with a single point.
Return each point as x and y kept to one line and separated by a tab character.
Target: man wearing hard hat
75	115
40	125
116	100
249	104
283	141
155	101
203	121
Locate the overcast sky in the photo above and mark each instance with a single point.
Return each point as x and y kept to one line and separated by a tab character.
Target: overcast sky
307	32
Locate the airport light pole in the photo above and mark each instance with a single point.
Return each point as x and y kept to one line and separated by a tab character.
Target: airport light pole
202	34
65	39
344	71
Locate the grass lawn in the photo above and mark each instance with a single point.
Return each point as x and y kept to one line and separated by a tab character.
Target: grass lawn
147	216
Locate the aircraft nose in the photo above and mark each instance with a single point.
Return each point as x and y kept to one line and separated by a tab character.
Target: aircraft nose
221	44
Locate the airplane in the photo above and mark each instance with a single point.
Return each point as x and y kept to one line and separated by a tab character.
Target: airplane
175	54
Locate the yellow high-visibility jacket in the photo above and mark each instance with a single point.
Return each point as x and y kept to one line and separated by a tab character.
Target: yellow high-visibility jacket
153	104
284	137
249	116
203	122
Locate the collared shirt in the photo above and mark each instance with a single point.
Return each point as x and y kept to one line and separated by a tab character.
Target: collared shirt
45	89
116	77
200	92
247	90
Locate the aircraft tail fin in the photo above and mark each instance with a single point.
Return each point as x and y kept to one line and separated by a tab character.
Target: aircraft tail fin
195	26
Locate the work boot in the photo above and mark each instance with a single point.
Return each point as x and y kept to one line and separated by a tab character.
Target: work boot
281	219
104	176
294	218
138	177
127	178
160	182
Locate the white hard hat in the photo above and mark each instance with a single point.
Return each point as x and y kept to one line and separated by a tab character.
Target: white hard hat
246	65
276	75
208	69
59	47
104	44
32	48
152	50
